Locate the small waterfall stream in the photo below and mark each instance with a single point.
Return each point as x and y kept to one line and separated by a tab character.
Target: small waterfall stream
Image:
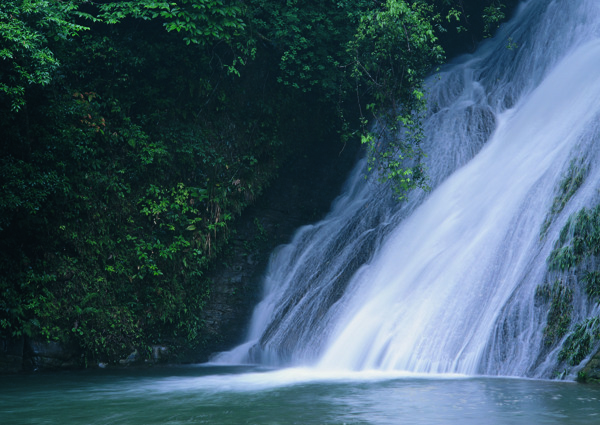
445	282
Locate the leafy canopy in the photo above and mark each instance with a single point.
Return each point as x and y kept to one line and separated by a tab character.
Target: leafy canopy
25	58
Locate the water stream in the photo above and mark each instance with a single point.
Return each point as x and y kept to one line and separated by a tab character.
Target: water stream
445	282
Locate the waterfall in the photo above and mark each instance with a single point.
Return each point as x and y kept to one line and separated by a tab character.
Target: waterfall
445	282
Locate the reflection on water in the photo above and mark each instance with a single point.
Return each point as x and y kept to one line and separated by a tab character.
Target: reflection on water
230	395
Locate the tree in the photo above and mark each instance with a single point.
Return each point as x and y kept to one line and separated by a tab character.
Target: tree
393	51
25	58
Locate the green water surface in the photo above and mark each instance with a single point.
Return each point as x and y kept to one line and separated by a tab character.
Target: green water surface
241	395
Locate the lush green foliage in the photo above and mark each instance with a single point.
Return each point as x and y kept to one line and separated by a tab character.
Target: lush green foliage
25	59
493	15
310	39
119	179
393	50
375	59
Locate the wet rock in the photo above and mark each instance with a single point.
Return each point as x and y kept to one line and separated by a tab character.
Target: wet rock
160	353
131	358
591	371
45	355
301	195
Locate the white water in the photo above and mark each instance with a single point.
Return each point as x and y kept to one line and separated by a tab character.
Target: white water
445	283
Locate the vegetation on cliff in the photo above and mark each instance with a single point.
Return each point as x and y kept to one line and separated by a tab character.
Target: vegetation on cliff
573	266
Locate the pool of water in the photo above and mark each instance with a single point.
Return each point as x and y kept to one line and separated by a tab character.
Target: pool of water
242	395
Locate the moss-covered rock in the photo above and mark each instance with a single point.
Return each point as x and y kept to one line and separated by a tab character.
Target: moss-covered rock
591	372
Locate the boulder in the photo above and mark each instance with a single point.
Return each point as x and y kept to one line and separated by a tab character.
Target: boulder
50	355
591	371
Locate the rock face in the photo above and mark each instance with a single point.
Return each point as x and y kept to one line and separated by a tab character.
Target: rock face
49	355
24	354
301	195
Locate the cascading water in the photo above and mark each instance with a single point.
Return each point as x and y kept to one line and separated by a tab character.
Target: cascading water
445	282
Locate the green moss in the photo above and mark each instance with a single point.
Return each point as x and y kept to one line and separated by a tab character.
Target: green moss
562	259
584	228
578	242
560	298
570	183
579	344
592	284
